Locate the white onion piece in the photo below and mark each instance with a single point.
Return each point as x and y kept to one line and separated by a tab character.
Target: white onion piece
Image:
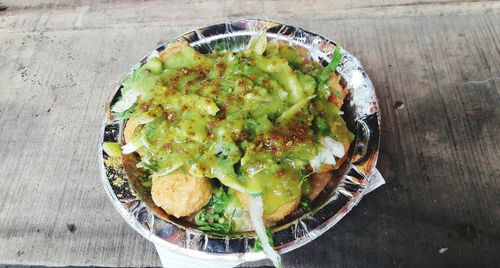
324	156
258	43
145	142
128	99
169	169
335	147
144	118
131	147
256	208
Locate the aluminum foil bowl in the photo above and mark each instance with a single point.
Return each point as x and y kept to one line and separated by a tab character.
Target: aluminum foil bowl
122	180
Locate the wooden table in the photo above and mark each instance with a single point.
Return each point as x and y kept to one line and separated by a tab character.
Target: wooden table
436	68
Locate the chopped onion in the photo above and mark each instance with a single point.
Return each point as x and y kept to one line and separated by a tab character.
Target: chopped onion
258	43
131	147
145	142
288	114
335	147
324	156
128	99
195	171
144	118
170	169
256	208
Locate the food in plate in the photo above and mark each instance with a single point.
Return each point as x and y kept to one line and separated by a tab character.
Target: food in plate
235	141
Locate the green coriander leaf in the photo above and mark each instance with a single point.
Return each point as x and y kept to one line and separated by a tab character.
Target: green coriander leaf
304	181
211	217
151	166
330	68
336	59
305	203
320	125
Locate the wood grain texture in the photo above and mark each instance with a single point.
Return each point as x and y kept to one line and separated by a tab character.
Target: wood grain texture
60	61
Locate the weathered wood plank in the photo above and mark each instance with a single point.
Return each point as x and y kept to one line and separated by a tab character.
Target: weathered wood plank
60	62
188	14
305	4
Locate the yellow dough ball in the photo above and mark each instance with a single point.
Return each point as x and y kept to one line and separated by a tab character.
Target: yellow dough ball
180	195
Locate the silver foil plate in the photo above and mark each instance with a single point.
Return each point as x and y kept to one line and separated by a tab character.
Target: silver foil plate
122	180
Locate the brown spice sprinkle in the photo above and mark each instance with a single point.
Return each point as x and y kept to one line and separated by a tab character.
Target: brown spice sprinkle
204	83
152	113
235	98
145	106
222	112
284	137
242	83
293	132
212	124
168	146
170	115
222	67
205	70
240	136
216	83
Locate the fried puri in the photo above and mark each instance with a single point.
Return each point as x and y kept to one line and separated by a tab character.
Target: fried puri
130	127
171	49
180	195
